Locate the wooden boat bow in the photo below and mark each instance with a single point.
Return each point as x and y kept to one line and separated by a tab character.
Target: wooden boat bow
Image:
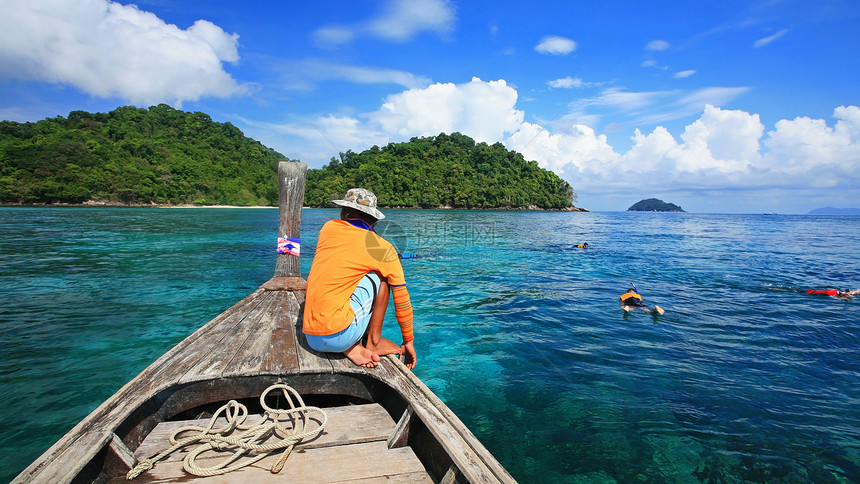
236	356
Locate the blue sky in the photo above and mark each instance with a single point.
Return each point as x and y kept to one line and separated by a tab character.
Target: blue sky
733	106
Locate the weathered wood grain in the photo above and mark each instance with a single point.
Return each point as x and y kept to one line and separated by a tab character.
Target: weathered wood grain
281	357
248	359
226	342
291	196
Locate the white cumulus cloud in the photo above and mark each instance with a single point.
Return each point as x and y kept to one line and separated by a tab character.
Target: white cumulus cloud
482	110
809	148
569	154
718	151
730	136
107	49
720	141
555	45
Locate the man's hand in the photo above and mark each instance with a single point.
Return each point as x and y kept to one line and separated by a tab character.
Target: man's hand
407	354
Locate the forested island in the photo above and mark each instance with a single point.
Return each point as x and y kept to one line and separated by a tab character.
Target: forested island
450	171
654	205
165	156
130	155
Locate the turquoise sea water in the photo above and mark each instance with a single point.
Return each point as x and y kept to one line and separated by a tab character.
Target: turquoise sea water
745	378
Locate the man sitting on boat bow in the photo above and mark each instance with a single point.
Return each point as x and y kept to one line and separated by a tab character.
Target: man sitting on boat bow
348	287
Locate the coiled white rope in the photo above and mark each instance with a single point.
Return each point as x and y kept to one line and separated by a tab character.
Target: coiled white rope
248	442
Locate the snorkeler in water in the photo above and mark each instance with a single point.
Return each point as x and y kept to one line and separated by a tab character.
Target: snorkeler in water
632	300
835	293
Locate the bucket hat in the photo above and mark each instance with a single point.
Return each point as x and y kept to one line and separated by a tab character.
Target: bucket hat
361	199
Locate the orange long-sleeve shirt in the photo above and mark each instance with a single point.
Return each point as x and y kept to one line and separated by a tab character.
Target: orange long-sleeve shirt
344	254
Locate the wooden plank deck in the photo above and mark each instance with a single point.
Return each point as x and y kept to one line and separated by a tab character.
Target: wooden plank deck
352	448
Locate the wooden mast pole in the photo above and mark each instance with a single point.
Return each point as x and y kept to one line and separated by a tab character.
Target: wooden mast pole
291	197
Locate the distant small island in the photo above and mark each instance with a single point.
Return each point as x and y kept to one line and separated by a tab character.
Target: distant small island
654	205
834	211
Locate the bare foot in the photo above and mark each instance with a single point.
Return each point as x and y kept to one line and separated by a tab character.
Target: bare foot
384	347
626	308
659	309
362	356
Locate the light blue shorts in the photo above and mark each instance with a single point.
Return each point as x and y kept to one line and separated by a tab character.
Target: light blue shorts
361	302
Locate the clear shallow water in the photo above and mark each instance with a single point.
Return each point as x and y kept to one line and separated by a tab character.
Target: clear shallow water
744	379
